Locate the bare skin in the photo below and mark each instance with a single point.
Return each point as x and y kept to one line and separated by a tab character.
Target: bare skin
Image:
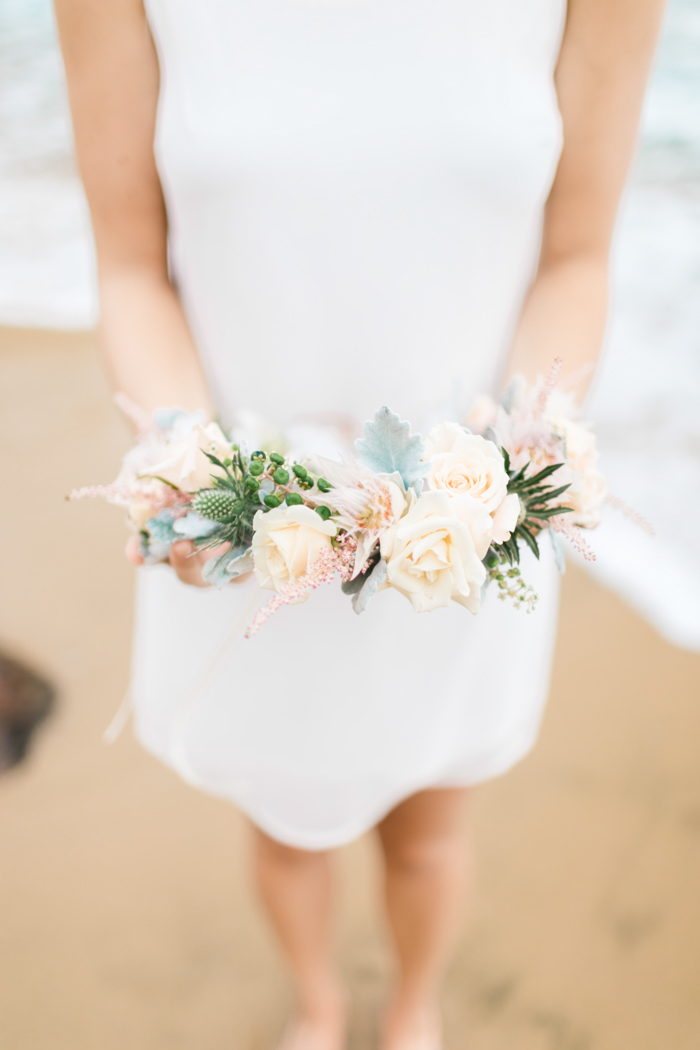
296	888
113	81
185	560
427	858
428	865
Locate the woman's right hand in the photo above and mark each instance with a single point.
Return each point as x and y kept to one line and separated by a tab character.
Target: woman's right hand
187	564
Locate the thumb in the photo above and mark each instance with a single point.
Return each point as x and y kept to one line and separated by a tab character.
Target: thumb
186	564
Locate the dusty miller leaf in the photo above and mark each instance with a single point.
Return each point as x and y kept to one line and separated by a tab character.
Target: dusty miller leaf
233	562
558	549
370	587
389	446
357	582
193	526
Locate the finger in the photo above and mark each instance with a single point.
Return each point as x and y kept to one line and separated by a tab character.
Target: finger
186	564
133	550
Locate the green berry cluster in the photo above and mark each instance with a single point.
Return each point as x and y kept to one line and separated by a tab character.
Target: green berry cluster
507	578
241	488
274	467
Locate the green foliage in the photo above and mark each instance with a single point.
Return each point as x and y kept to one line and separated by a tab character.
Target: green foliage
232	502
241	488
537	508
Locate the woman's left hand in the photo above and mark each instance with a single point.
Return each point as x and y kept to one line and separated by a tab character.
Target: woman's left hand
187	564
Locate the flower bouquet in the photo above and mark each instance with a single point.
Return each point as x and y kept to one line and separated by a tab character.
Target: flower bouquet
435	518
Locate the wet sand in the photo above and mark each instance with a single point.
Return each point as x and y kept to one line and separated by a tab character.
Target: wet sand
126	913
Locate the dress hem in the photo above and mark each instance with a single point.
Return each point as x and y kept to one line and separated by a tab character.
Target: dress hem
496	765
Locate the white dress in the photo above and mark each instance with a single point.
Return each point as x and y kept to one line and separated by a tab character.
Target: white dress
355	193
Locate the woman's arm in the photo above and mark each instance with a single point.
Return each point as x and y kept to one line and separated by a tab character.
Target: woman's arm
113	81
600	78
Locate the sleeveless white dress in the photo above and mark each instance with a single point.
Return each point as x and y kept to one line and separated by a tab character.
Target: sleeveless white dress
355	192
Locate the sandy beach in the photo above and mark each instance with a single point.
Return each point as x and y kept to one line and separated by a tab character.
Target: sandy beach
127	917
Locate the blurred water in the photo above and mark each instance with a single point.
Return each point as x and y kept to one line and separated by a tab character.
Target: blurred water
46	254
647	400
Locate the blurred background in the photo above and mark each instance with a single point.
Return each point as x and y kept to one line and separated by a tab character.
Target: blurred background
125	909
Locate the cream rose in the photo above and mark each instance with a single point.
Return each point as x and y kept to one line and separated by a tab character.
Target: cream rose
579	441
431	553
286	543
482	413
466	464
505	518
586	495
185	465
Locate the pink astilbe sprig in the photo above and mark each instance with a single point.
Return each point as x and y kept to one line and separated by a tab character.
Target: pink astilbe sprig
345	549
117	494
325	568
631	514
263	615
142	420
122	494
574	535
547	388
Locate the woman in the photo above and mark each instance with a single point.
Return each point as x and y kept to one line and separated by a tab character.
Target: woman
349	203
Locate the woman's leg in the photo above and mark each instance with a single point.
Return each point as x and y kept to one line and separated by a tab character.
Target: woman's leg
427	858
295	886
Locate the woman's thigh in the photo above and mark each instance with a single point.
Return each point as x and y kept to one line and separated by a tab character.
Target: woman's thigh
425	821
